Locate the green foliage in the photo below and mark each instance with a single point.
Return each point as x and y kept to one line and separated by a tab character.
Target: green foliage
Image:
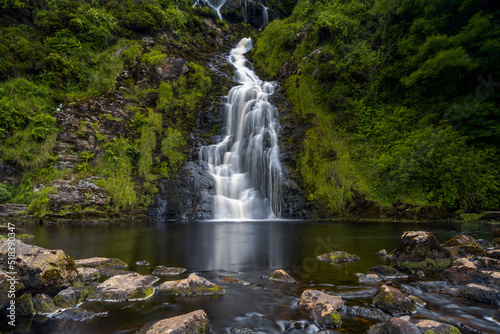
154	58
40	203
147	142
5	193
121	190
174	149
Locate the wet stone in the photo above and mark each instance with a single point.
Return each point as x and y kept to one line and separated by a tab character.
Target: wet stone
168	271
95	262
338	257
281	276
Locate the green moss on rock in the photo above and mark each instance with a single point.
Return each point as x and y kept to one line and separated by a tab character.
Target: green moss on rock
337	257
142	293
24	305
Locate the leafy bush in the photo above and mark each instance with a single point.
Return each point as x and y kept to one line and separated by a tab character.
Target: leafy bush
5	193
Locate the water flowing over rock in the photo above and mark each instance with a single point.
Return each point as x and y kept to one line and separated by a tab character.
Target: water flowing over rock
246	162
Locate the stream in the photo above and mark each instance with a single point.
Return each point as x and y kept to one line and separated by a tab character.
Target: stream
249	250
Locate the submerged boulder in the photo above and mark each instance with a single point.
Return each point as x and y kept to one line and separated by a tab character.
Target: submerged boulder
195	285
394	326
391	300
281	276
466	243
323	308
40	269
126	287
195	322
420	250
338	257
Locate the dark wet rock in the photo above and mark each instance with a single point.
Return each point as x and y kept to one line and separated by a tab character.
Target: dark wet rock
386	272
168	286
464	262
24	305
471	328
487	263
43	304
293	325
494	254
394	326
171	69
195	322
244	331
338	257
78	314
357	294
84	194
466	243
312	299
418	301
19	233
281	276
10	172
88	274
496	316
381	252
40	269
461	275
96	262
391	300
168	271
106	271
494	278
485	244
126	287
195	285
479	293
431	326
370	279
143	263
231	280
74	295
420	250
496	233
430	286
368	313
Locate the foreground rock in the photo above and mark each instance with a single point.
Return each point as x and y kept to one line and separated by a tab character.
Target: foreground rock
479	293
431	326
40	269
420	250
462	275
338	257
322	307
394	326
466	244
195	322
393	301
168	271
195	285
5	284
386	272
73	296
281	276
126	287
95	262
43	304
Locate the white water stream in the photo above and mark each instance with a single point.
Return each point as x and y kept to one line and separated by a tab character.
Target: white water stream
245	163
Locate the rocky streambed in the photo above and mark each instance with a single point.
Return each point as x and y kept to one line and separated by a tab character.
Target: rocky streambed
421	277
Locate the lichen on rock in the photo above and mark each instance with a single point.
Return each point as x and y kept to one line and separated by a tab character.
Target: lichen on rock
338	257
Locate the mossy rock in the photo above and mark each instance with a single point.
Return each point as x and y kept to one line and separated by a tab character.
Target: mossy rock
434	327
393	301
68	298
24	305
142	293
281	276
168	271
43	304
386	272
466	243
195	285
19	233
96	262
338	257
231	280
327	317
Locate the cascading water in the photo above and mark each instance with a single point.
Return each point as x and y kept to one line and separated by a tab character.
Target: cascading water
216	5
245	163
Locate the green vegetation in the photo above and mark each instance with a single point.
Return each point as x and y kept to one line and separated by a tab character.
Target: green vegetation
400	97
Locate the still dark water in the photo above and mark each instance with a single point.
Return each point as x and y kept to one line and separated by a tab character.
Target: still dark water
250	251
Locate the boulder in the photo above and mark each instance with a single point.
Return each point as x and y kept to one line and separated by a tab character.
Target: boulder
472	328
195	285
231	280
488	263
479	293
40	269
24	305
467	244
485	244
386	272
369	279
394	326
281	276
168	285
126	287
357	294
96	262
168	271
6	282
106	271
368	313
391	300
461	275
381	252
195	322
420	250
338	257
494	254
43	304
73	296
18	232
464	262
88	274
431	326
430	286
323	308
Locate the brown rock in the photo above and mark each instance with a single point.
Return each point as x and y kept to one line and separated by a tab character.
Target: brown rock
479	293
96	262
88	274
231	280
195	322
431	326
462	275
393	301
126	287
338	257
195	285
281	276
488	263
323	308
464	262
168	285
168	271
394	326
466	243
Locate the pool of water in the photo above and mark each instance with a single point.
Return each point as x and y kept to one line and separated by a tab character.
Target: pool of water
249	250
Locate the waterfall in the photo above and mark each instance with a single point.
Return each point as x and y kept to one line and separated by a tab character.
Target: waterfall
216	5
265	17
245	163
